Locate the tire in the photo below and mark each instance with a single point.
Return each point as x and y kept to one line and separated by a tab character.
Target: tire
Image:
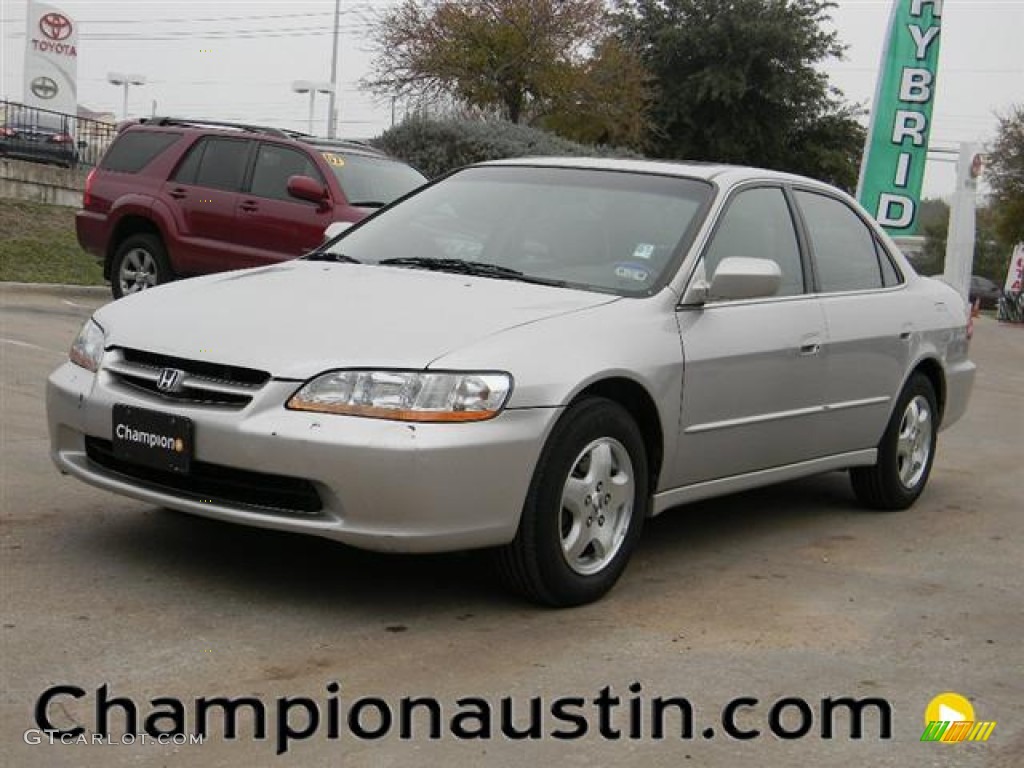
140	262
906	452
581	521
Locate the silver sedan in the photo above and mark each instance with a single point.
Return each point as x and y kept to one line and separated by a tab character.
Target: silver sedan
531	356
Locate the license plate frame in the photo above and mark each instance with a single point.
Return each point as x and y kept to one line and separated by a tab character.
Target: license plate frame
155	439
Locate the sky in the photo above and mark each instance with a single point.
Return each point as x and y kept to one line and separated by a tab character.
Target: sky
237	59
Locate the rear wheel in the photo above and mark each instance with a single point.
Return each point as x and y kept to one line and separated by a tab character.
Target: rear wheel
585	508
140	263
906	452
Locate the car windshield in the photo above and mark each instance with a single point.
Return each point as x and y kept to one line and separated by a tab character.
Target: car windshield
594	229
372	181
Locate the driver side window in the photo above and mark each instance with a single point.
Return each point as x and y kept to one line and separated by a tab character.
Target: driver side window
758	225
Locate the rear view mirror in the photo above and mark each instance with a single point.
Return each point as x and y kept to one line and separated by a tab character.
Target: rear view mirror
306	188
740	277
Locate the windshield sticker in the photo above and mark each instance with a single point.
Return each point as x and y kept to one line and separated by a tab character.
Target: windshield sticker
643	251
627	271
333	159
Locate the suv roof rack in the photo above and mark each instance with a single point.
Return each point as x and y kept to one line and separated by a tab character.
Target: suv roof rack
341	144
218	124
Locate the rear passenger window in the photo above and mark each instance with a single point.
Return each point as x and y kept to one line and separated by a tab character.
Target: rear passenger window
221	164
134	150
758	225
844	246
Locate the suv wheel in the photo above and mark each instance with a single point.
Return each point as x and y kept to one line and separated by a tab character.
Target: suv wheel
139	263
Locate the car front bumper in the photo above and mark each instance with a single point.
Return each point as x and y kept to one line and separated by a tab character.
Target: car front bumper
383	485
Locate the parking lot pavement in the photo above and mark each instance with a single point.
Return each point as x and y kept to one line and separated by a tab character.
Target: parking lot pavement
787	592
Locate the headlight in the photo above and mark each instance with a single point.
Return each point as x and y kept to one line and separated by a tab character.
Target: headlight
87	349
406	395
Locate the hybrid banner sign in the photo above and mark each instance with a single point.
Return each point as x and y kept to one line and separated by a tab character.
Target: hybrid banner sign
897	144
51	60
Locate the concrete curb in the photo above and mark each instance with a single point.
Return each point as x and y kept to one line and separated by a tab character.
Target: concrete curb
57	289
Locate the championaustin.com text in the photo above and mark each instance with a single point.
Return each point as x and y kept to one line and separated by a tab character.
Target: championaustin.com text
609	714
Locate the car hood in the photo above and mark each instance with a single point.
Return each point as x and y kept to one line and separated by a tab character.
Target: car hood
298	319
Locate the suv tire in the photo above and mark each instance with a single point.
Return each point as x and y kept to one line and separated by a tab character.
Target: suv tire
140	262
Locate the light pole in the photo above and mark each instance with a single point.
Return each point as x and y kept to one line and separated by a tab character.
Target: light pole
116	78
332	116
312	88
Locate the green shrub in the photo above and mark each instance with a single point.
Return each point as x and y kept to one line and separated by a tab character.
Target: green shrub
439	146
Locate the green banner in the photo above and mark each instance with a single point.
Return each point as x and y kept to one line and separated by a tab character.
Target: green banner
897	144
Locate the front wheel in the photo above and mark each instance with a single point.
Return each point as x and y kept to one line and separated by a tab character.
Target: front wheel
585	508
139	263
906	452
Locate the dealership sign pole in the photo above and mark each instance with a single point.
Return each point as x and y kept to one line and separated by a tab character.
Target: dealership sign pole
897	143
51	60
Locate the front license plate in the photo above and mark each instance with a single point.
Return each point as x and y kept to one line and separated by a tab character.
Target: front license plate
154	439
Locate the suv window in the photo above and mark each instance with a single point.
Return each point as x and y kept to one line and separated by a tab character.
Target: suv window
758	225
215	162
274	164
366	179
134	150
844	247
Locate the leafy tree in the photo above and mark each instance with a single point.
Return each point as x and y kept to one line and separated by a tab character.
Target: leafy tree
439	146
1005	174
739	82
545	61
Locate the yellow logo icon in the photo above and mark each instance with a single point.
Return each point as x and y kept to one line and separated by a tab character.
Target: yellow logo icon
949	717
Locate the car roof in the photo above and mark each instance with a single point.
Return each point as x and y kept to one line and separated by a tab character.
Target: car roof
721	172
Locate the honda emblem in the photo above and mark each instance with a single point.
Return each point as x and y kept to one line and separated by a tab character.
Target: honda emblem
170	380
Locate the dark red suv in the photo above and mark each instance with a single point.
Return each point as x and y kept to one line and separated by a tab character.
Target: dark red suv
174	198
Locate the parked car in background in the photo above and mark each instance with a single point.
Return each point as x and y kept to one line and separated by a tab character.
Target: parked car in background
39	137
532	356
985	292
176	198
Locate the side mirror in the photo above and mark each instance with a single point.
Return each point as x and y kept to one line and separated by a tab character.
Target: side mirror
335	228
739	277
306	188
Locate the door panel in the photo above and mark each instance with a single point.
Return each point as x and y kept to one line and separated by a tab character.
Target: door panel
274	225
867	354
753	387
203	194
865	313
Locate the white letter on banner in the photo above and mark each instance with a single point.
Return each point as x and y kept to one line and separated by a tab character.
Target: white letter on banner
915	85
922	41
885	206
915	7
902	169
909	124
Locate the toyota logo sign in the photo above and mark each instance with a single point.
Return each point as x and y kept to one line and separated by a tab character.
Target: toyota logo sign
55	26
44	87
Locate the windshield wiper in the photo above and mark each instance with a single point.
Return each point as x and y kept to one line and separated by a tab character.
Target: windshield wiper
367	204
464	267
331	256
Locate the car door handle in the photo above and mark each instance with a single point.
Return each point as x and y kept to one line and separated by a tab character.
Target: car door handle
249	206
178	193
810	348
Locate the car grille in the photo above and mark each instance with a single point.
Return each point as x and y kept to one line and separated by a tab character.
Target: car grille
202	382
215	483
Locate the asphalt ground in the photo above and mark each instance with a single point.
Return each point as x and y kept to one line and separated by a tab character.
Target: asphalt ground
787	592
